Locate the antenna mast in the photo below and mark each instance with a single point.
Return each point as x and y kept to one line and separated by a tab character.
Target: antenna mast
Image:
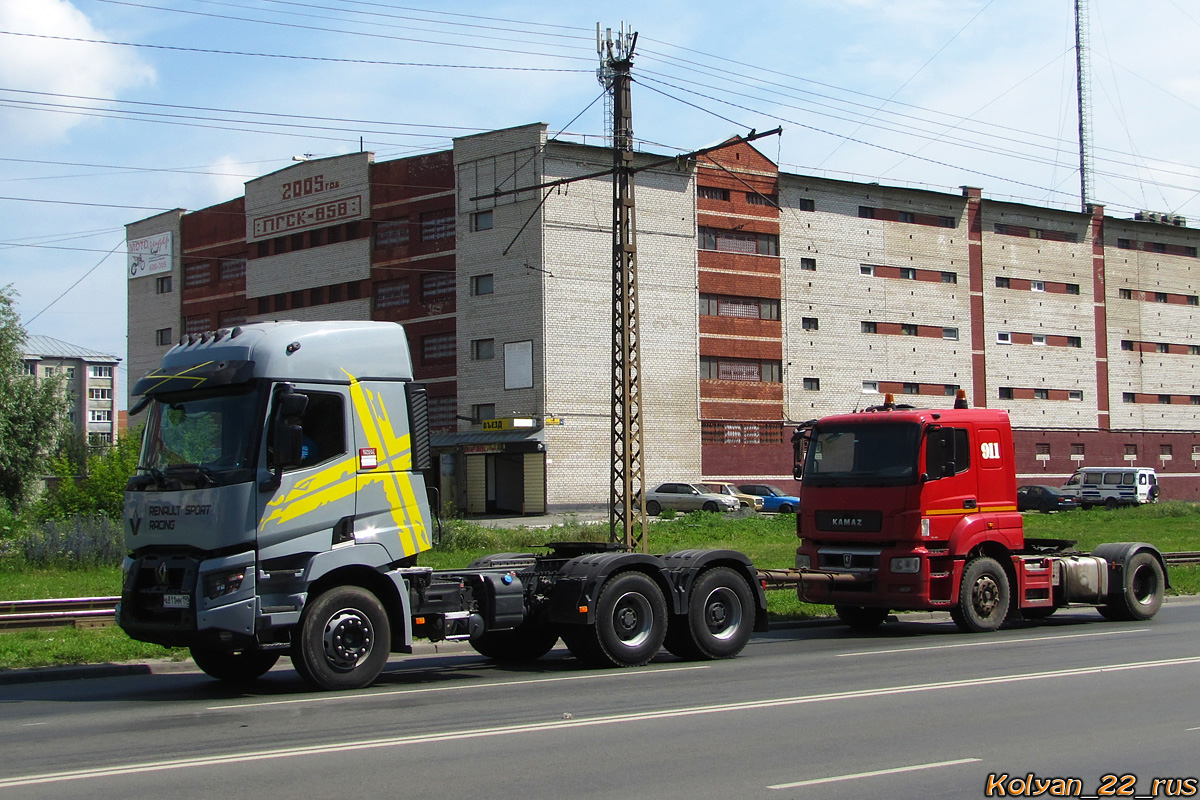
627	514
1083	93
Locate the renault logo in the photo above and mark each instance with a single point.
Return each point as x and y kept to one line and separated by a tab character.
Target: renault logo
160	573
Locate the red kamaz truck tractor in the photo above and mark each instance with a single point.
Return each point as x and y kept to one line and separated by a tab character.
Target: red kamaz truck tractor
916	509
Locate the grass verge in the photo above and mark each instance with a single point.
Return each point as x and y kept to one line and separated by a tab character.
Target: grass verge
770	541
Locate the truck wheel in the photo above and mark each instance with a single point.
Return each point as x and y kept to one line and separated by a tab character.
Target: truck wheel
526	642
631	623
1111	503
653	508
862	618
983	596
233	666
719	621
343	639
1142	587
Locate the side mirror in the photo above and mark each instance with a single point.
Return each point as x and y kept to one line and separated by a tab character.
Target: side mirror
285	443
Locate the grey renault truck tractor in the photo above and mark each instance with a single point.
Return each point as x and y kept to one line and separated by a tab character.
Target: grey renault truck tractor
280	506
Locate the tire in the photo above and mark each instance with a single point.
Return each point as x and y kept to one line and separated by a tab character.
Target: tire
653	508
711	506
720	618
1142	586
785	508
983	597
631	624
862	618
1111	503
234	666
526	642
343	639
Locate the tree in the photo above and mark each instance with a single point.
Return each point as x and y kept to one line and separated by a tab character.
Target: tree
102	491
32	412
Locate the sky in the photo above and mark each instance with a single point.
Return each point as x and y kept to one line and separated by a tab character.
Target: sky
112	111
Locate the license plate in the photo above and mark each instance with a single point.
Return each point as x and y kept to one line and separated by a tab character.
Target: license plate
177	601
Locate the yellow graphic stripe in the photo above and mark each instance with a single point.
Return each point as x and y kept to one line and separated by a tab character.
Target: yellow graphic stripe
943	512
394	454
330	484
178	376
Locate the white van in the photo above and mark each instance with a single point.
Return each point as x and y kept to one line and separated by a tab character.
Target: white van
1113	486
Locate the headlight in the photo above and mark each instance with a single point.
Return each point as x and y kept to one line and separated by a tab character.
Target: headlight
908	564
803	561
218	584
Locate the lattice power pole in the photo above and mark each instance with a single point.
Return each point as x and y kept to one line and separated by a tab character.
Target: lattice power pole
1083	96
627	497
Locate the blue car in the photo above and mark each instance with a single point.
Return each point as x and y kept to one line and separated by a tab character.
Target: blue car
773	498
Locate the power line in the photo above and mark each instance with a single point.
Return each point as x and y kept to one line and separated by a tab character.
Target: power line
76	283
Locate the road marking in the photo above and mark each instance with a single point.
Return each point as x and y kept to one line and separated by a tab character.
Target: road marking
874	773
325	698
991	642
562	724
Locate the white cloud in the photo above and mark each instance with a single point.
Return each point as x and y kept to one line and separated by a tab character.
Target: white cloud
55	66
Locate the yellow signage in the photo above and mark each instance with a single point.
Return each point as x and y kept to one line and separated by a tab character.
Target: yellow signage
508	424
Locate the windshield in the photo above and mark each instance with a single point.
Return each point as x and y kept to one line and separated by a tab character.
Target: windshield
880	454
715	488
202	439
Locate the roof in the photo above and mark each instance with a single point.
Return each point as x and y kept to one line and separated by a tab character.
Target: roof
49	347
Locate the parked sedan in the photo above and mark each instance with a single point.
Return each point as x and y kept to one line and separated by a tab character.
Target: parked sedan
1044	499
744	500
773	497
687	497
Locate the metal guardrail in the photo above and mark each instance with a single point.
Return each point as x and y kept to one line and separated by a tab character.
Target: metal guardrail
98	612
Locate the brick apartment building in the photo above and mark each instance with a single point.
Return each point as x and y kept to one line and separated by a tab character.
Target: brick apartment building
765	298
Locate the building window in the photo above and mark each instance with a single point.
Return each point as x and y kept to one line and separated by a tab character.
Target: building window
950	389
483	349
1124	244
1196	399
97	439
908	330
949	277
392	233
482	411
712	193
1126	344
1006	393
1194	349
196	275
757	199
50	371
69	372
1160	297
870	327
809	323
806	204
1003	337
809	264
1164	399
1074	341
1193	300
1077	449
870	387
163	337
1166	450
29	368
1003	283
228	319
1160	247
100	415
162	285
1128	397
483	284
866	269
436	225
1042	448
100	371
947	222
727	241
197	324
1037	286
481	221
233	269
1131	450
911	388
905	216
866	212
908	273
1041	394
1072	288
1039	338
443	410
316	238
437	287
731	369
437	348
742	307
297	241
392	294
812	384
1125	294
95	393
1074	394
1162	347
950	334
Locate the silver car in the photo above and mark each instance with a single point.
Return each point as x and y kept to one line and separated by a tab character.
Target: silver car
687	497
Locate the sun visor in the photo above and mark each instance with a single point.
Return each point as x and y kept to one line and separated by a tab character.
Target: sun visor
207	375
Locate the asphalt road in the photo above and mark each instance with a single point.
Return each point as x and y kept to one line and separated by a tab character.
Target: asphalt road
915	710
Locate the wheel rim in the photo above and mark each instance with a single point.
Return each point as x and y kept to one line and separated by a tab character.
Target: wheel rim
722	613
1144	585
348	639
633	619
985	595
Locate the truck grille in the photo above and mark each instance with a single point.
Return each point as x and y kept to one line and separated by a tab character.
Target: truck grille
154	577
846	560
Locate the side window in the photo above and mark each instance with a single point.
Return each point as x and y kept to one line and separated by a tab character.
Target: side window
958	453
1091	479
1142	479
324	424
1112	479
